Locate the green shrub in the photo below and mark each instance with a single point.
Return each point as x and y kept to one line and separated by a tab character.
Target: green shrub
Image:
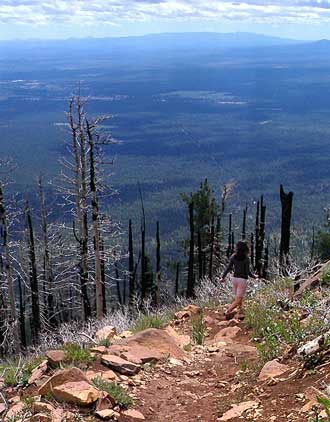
18	372
150	321
76	354
115	391
325	277
325	403
198	329
322	245
273	327
104	342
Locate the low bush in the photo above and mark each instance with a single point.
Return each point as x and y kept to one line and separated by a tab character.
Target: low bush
198	329
115	391
74	353
146	321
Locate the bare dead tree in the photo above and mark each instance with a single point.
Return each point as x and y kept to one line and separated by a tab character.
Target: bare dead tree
9	274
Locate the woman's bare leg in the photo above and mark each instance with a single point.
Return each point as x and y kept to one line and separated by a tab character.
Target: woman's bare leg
238	302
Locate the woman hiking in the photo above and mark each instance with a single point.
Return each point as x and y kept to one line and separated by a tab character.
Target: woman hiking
240	263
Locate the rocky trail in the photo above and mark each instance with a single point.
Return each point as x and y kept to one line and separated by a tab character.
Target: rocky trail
169	379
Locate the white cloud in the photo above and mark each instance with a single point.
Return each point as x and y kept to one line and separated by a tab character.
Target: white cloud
41	12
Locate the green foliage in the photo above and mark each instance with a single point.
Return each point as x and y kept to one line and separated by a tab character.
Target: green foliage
322	245
308	299
325	278
77	354
205	209
18	372
325	402
146	321
104	342
273	327
115	391
198	329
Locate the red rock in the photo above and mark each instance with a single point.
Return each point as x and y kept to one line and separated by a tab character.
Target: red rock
107	375
154	339
14	411
80	393
55	357
228	332
41	417
106	414
106	333
120	365
100	349
237	410
193	309
140	355
62	377
272	369
131	416
38	372
182	340
104	402
2	408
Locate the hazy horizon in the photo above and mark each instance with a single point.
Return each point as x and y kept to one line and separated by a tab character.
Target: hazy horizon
43	19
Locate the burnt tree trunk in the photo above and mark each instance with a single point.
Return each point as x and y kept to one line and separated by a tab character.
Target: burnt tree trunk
95	221
21	293
158	277
48	270
191	278
286	203
33	277
131	272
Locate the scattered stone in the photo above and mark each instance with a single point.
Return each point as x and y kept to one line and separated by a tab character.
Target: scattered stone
60	378
228	332
38	372
126	334
2	408
55	357
237	410
272	369
14	411
99	349
141	355
120	365
41	407
182	340
311	395
106	414
131	416
154	339
80	393
105	402
106	333
41	417
107	375
182	315
193	309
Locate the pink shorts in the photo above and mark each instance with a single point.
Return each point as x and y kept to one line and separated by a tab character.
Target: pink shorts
239	286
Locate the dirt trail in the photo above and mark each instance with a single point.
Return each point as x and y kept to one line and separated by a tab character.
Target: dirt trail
212	381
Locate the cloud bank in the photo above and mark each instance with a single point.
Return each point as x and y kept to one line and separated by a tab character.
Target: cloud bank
112	12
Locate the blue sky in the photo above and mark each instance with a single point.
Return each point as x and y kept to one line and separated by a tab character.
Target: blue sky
300	19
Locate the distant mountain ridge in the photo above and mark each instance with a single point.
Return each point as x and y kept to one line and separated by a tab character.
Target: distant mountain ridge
184	40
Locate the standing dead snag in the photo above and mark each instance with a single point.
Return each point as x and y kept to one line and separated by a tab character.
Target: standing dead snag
78	189
8	272
191	277
95	219
33	276
48	270
286	203
82	189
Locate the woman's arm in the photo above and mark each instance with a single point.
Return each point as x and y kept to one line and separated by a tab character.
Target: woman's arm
227	269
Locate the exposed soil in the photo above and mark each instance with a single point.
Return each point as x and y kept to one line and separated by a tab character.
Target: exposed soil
210	383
